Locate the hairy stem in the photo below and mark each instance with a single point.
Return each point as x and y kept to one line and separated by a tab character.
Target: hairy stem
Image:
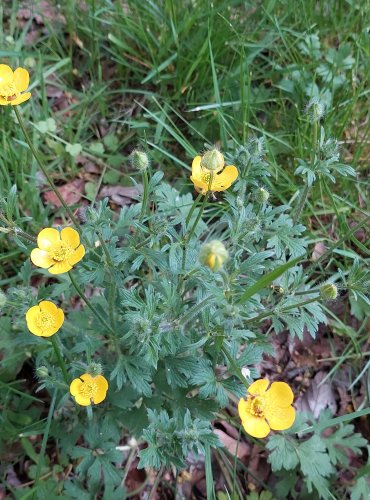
89	305
43	168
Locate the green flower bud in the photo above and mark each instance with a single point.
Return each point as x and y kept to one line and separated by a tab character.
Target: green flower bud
213	254
94	369
213	160
42	372
330	148
261	195
315	109
140	160
329	291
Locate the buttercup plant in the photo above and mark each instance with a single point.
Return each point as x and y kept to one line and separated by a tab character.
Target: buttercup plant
178	307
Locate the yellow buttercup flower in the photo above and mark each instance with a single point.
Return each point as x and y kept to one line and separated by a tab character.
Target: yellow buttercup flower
87	389
267	409
58	251
45	319
12	84
222	177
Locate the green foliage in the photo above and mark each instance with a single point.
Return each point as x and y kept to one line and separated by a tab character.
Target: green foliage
283	98
315	458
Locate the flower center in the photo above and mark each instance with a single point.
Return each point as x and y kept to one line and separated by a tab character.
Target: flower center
61	252
89	390
45	320
256	405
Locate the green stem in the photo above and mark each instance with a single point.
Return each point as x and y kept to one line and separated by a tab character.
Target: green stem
306	189
235	367
292	306
89	305
145	195
43	169
307	292
302	202
60	359
191	211
188	237
156	482
44	441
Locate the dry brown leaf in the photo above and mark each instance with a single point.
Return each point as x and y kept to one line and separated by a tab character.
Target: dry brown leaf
71	192
120	195
318	397
318	250
231	444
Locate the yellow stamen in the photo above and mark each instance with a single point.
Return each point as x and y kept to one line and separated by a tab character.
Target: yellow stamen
88	390
45	320
61	252
256	405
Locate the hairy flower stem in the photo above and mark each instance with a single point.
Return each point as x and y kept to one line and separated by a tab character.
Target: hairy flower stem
14	229
235	367
188	236
45	440
292	306
306	189
145	195
89	305
191	211
43	169
60	359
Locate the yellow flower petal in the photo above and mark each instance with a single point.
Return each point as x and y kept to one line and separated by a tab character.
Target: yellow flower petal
77	255
31	316
279	418
60	267
75	386
70	236
48	306
21	79
102	382
259	387
41	258
279	394
196	169
47	238
199	185
82	400
6	75
22	98
224	179
243	409
86	377
3	101
255	426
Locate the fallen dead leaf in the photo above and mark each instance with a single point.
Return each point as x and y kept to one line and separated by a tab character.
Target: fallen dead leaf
318	250
120	195
71	192
318	397
241	450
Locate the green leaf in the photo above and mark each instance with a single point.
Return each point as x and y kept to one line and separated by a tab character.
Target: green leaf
267	279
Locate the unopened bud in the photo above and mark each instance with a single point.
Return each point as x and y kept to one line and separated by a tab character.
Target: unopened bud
140	160
213	254
315	109
94	369
329	291
330	148
213	160
42	372
261	195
